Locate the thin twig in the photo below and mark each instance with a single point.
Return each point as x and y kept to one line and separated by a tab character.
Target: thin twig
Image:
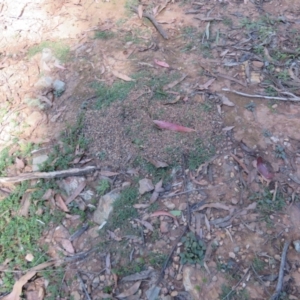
260	280
83	287
170	254
295	99
240	163
184	192
154	22
281	271
275	191
230	78
232	290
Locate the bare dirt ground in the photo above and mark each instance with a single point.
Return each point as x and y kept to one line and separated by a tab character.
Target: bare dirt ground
207	211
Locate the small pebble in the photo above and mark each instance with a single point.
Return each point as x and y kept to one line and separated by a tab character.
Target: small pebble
174	293
215	278
277	257
231	255
234	201
236	249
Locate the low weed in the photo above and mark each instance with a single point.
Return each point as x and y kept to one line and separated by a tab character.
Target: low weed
123	208
102	187
227	293
280	152
199	154
266	206
60	50
6	160
194	250
109	94
258	264
63	154
156	173
20	234
104	35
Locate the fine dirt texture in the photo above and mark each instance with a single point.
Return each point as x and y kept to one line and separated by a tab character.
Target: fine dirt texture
221	195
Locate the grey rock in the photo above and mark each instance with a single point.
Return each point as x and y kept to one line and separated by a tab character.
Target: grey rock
70	184
44	82
296	244
38	161
105	206
236	249
59	86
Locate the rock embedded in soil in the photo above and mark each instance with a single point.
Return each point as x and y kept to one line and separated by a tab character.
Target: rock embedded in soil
105	206
297	245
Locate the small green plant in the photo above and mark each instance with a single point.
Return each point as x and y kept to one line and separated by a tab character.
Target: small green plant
206	107
258	264
109	94
60	50
63	155
123	208
199	155
108	289
6	160
227	21
227	293
104	35
136	266
156	260
250	106
280	152
102	187
266	206
270	91
194	250
266	133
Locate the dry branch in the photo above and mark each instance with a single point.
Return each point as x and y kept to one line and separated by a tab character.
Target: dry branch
154	22
294	98
276	295
48	175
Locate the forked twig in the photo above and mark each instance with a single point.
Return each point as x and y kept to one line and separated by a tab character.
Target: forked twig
154	22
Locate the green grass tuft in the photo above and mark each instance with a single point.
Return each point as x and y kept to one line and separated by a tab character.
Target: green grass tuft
60	50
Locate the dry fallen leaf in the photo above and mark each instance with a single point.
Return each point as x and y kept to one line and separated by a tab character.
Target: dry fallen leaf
122	76
146	224
61	203
131	291
140	11
19	164
108	173
18	286
172	126
265	169
139	206
206	85
161	63
47	194
114	236
145	186
78	190
158	164
164	213
225	100
25	204
228	128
